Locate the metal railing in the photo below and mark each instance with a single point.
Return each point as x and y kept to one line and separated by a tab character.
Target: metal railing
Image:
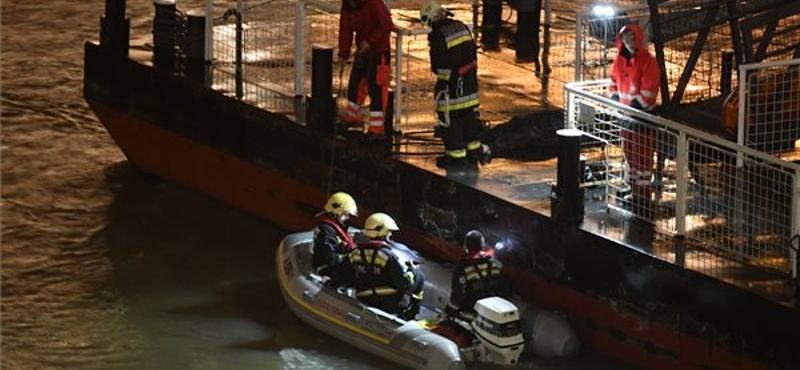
717	194
769	119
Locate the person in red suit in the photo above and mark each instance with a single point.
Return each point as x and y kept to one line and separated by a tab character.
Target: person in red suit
635	77
371	23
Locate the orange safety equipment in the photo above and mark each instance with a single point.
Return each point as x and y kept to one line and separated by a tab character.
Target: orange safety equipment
636	77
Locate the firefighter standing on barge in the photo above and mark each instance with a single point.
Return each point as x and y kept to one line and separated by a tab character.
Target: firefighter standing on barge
453	55
371	22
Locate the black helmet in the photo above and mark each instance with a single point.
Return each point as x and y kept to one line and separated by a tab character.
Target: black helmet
474	241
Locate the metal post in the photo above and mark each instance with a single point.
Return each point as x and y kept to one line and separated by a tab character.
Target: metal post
475	5
726	77
164	34
299	43
571	110
209	54
196	67
578	46
567	202
239	51
605	49
323	106
742	105
795	237
681	196
398	80
115	28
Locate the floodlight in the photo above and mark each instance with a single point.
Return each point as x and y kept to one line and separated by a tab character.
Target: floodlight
604	10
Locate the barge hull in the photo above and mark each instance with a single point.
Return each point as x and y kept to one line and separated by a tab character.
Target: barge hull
622	302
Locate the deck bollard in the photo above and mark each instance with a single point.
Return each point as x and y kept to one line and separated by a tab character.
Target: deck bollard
194	48
115	28
165	28
566	204
323	105
491	24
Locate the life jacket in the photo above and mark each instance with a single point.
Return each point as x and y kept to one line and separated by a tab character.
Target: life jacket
346	243
454	61
370	261
482	273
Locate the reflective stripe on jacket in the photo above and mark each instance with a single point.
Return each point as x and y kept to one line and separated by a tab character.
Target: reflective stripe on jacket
453	56
378	271
476	276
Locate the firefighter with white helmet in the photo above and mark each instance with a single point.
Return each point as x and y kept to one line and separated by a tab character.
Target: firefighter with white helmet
453	55
381	281
332	243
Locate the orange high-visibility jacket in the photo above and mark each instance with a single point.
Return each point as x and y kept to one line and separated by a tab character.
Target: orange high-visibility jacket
635	78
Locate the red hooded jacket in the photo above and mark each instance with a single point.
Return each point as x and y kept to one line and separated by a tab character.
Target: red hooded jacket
371	21
635	78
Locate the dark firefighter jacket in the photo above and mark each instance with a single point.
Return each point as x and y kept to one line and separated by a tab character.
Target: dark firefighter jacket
476	276
378	272
454	61
371	21
635	78
331	245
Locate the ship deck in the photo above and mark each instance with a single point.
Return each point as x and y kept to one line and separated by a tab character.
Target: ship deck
528	183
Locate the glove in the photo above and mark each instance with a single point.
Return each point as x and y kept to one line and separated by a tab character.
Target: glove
636	105
404	301
615	97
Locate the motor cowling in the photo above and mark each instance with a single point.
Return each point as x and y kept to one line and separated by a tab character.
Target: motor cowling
497	326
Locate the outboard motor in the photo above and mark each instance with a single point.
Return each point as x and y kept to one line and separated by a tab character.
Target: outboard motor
497	327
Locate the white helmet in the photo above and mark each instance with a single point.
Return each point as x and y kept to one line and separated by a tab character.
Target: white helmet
379	225
431	12
341	202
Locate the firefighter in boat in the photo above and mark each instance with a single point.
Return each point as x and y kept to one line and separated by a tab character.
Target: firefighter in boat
453	55
332	243
477	275
380	279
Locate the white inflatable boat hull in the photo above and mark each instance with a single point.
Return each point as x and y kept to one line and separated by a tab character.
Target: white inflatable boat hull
345	318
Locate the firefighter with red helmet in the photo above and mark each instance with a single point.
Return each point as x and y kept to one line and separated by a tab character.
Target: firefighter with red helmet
453	55
477	275
636	79
332	242
371	23
380	279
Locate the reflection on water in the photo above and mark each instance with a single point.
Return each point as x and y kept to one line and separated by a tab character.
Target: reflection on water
107	268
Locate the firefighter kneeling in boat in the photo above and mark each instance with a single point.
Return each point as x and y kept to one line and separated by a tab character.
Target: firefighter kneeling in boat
477	275
381	281
332	243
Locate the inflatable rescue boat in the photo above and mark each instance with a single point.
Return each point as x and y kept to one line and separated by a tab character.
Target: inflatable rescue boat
498	331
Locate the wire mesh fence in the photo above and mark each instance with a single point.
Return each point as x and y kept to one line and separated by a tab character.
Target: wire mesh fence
721	196
731	201
771	114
